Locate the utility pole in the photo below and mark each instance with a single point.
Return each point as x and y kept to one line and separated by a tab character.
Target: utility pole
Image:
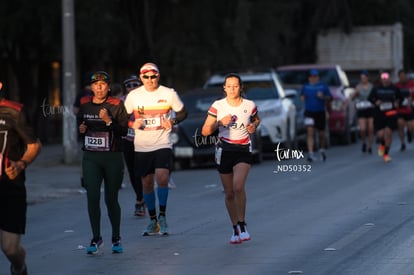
70	143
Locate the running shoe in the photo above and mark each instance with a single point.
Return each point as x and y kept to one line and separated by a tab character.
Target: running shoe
364	148
235	239
323	156
171	183
95	246
152	229
139	209
163	225
381	150
244	236
387	158
311	157
402	148
117	246
23	272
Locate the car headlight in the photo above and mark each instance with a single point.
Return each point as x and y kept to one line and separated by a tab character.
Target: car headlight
337	105
174	138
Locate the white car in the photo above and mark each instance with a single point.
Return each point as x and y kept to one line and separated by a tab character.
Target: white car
276	108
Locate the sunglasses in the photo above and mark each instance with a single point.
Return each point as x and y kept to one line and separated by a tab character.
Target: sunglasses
131	85
149	76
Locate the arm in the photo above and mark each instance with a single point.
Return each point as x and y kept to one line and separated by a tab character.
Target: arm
355	95
210	125
327	94
181	115
372	97
251	127
119	121
14	168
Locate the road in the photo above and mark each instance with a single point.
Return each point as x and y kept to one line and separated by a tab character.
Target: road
351	215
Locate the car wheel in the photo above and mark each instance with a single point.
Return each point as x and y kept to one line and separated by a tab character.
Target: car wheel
184	164
288	141
346	136
258	157
295	142
257	147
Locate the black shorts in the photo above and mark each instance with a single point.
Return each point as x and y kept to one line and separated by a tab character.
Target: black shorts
315	119
406	116
365	113
229	159
382	121
147	162
13	206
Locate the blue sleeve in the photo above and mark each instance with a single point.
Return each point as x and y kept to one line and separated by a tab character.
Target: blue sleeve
302	91
326	90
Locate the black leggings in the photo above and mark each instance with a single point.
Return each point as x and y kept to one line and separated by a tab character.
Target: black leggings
107	167
129	156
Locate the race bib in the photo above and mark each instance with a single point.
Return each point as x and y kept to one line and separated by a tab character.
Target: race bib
385	106
217	155
130	134
308	121
97	141
364	104
152	122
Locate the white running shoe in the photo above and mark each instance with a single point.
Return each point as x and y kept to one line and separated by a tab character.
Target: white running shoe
235	239
171	184
244	236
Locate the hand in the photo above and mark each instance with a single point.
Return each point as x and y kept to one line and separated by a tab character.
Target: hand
167	124
226	120
251	128
104	115
138	124
83	128
13	169
320	95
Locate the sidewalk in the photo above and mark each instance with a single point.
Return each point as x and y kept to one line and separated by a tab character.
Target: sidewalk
49	178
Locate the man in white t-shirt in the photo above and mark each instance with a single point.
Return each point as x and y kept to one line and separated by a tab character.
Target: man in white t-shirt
152	105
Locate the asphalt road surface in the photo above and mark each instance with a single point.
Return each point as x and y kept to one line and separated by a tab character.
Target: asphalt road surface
351	215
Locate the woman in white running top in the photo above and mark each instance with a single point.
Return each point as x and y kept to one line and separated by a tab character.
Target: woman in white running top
235	118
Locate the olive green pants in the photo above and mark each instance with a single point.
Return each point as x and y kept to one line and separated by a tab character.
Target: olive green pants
109	168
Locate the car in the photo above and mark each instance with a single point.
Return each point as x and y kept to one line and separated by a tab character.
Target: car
190	148
342	119
277	111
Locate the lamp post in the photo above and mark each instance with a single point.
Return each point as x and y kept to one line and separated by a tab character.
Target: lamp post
70	144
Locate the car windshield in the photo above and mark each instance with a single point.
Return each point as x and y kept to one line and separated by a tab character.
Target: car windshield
300	77
199	103
257	90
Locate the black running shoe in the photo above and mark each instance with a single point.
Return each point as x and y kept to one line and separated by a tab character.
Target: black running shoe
364	148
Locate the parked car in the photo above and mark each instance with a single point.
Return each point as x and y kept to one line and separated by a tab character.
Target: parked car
190	148
276	109
342	120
